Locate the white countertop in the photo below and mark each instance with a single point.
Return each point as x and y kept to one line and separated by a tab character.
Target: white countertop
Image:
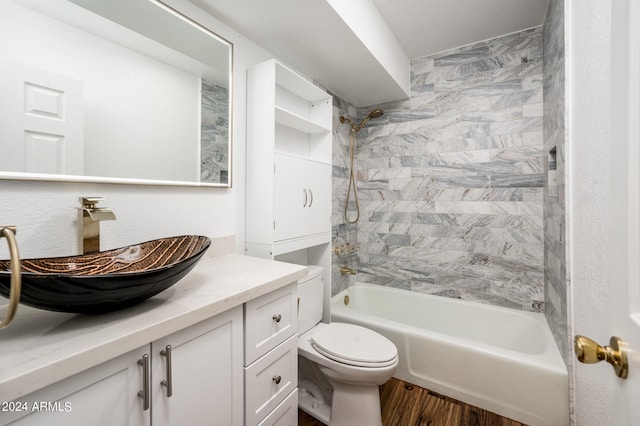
41	347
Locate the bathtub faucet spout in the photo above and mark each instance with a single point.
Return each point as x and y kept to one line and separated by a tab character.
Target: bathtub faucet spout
347	271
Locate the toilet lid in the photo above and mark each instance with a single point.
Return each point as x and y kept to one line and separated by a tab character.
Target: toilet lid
354	345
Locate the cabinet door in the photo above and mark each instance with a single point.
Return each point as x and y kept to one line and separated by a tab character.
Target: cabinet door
291	197
205	373
319	206
103	395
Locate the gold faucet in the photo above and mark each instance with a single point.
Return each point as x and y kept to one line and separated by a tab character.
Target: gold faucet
91	218
347	271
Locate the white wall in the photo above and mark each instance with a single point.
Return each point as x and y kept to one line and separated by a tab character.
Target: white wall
46	213
588	85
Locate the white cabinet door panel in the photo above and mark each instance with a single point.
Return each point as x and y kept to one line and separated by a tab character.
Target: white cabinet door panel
291	197
103	395
302	197
206	373
319	209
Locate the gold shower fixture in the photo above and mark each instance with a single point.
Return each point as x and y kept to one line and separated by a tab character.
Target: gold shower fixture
376	113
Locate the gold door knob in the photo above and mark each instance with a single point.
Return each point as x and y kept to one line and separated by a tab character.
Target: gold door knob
589	352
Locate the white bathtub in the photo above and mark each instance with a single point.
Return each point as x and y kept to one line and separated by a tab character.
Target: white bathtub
499	359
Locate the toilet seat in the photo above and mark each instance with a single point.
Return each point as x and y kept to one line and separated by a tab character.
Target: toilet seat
354	345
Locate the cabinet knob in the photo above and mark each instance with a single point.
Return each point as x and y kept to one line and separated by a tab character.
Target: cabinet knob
277	379
277	317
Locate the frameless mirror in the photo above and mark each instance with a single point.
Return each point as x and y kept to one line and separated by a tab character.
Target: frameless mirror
126	91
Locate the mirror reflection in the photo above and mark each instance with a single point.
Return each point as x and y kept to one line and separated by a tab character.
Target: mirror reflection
112	90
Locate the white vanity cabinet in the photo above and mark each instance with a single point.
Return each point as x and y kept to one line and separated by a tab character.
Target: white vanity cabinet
201	365
271	358
67	369
289	140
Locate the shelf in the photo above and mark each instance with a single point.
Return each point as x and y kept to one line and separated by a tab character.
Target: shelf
287	246
295	121
301	156
293	82
289	122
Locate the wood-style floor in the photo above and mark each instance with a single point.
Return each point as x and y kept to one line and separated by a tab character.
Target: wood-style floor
404	404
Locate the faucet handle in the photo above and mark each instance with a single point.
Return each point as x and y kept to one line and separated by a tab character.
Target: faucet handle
90	202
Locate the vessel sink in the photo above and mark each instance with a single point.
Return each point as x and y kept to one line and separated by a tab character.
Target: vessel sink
107	280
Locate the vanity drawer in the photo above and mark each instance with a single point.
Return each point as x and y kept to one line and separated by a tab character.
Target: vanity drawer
269	320
285	414
269	380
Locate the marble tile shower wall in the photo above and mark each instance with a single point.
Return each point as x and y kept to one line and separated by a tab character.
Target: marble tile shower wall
451	180
214	131
343	232
556	276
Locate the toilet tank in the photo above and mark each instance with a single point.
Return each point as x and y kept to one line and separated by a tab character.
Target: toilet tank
310	299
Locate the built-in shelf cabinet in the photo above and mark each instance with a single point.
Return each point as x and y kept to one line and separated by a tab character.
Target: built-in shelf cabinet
289	146
289	139
289	124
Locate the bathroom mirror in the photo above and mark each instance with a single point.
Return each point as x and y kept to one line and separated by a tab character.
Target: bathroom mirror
126	91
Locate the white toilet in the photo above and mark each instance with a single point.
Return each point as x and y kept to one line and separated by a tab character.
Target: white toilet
340	365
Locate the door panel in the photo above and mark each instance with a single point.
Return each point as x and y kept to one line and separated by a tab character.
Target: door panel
625	204
291	197
103	395
319	211
206	373
41	121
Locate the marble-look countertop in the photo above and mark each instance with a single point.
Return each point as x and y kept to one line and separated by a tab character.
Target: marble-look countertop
40	347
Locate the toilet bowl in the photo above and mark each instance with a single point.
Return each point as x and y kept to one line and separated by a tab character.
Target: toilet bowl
354	361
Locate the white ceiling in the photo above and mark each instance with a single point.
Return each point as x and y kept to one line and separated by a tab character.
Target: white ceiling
310	36
424	27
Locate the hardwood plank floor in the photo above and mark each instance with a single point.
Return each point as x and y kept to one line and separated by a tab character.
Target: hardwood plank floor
404	404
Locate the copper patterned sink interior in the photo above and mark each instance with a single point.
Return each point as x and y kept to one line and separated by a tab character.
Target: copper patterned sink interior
107	280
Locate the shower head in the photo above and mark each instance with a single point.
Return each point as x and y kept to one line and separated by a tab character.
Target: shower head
376	113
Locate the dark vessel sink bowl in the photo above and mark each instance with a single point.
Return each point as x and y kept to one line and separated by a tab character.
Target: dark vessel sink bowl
107	280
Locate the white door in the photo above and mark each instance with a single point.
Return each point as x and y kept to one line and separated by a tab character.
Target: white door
41	121
625	201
